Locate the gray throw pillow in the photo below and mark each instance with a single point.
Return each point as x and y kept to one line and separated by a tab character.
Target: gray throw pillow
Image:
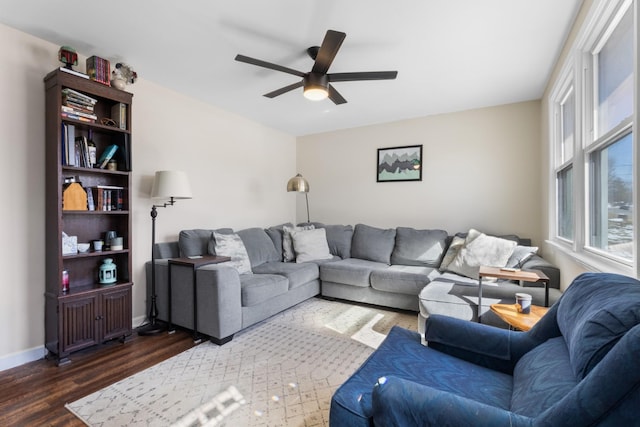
231	245
288	254
419	247
520	255
310	245
373	244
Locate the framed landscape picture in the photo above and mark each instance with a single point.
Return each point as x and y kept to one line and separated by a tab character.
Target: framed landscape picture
399	164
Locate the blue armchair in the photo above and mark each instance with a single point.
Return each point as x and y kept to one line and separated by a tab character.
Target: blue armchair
579	366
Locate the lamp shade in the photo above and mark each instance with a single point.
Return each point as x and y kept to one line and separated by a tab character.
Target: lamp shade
298	183
173	184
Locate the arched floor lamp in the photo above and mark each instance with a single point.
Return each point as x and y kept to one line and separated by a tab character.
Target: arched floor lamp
172	185
300	185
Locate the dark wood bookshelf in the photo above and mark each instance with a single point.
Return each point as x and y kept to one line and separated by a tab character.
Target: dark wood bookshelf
89	313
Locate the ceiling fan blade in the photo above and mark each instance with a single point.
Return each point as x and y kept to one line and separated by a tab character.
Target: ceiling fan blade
330	46
284	89
367	75
268	65
335	96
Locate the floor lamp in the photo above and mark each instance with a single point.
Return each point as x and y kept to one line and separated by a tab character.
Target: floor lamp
172	185
299	184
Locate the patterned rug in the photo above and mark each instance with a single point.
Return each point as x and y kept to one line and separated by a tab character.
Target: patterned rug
280	372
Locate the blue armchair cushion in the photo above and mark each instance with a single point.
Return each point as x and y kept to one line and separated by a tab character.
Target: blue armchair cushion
541	378
403	356
593	321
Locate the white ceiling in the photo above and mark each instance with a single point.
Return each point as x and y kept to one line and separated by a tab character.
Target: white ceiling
451	55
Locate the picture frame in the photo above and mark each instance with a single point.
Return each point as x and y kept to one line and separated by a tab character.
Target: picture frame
397	164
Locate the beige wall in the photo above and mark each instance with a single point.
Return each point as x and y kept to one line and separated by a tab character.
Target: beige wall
238	170
480	169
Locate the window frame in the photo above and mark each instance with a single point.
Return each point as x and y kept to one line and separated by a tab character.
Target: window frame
579	71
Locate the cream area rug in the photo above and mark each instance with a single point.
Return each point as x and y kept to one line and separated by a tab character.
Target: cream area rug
280	372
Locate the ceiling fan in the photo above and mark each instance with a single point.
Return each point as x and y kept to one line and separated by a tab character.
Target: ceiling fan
317	82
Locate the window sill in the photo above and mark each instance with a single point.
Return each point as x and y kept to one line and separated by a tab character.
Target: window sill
593	262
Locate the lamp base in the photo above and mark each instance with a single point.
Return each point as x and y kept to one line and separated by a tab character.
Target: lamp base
153	328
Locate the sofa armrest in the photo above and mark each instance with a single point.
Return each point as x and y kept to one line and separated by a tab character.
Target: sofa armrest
484	345
401	403
536	262
219	301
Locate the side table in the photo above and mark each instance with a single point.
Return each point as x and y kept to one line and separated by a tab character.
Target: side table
511	274
194	263
509	313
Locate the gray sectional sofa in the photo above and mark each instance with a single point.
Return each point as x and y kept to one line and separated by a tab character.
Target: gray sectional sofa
388	267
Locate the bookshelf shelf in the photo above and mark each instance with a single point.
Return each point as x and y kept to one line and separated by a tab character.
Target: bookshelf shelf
89	312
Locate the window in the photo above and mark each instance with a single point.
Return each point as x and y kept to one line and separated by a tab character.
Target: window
593	138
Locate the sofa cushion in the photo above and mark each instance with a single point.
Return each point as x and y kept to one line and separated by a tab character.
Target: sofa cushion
196	242
288	252
231	245
310	245
402	279
350	271
258	288
541	378
419	247
481	250
373	244
275	234
259	246
339	239
297	274
593	315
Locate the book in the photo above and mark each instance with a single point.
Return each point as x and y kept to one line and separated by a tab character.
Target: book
107	155
90	204
119	115
74	72
71	146
123	155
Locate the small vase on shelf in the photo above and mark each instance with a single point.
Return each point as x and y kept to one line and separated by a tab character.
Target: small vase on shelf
119	83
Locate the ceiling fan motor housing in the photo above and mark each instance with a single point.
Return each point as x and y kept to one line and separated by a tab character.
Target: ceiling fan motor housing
316	81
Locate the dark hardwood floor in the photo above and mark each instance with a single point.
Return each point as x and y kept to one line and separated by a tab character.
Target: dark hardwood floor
34	394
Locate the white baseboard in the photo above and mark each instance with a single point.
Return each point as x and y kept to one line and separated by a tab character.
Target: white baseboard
25	356
21	357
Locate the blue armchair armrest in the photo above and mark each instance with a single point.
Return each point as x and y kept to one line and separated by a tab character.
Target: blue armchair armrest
403	403
488	346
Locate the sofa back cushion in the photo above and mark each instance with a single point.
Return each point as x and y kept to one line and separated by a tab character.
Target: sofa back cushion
259	246
594	313
198	241
424	248
339	239
373	244
275	233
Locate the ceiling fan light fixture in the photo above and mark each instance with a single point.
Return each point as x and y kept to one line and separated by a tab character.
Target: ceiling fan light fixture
316	87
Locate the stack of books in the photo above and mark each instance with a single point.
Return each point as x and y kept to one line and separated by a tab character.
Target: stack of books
99	70
78	106
105	198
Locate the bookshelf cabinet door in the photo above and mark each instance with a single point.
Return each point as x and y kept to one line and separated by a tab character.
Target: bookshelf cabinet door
116	306
80	323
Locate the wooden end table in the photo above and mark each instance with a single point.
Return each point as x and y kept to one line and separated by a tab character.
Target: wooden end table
512	274
194	263
509	313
